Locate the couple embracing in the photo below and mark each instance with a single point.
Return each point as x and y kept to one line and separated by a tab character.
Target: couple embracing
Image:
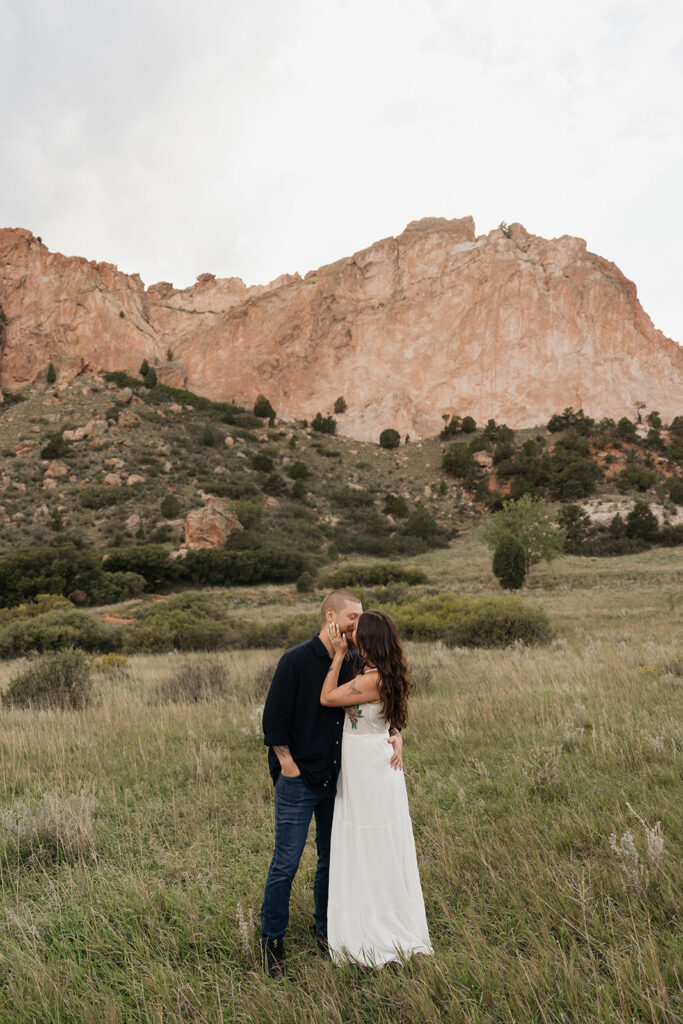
332	722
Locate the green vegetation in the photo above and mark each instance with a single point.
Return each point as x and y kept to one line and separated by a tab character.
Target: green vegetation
51	375
389	438
509	562
377	574
324	424
544	790
59	680
533	523
263	409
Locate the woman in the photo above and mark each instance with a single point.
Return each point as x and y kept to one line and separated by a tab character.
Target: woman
376	911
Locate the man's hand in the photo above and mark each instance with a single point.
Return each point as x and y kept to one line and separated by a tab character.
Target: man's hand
288	765
396	741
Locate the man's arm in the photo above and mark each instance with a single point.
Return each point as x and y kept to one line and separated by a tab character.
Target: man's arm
277	715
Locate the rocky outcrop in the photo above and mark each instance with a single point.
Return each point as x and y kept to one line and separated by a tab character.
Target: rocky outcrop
506	325
209	527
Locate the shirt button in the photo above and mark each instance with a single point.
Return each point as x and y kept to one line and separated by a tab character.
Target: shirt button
337	742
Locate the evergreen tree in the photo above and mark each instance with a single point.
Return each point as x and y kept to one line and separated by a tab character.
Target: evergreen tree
509	562
51	374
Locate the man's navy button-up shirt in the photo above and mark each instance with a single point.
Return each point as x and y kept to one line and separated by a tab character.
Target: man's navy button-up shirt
294	717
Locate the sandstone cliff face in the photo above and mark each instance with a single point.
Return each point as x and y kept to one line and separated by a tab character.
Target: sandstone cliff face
437	320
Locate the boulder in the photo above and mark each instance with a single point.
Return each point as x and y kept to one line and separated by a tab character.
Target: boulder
128	419
209	527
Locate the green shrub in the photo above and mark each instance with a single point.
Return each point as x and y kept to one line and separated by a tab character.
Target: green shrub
249	513
298	490
395	505
468	425
351	497
458	461
389	438
56	448
421	525
274	484
54	631
635	478
626	429
674	486
51	375
96	497
59	680
112	587
122	380
340	406
324	424
144	368
187	622
262	462
208	437
509	563
149	561
170	506
305	583
641	523
150	378
298	471
349	576
263	409
194	680
471	622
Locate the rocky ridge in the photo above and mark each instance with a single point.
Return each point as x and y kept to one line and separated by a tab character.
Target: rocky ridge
437	320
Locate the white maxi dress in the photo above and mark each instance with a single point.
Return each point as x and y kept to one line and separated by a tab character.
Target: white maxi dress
376	910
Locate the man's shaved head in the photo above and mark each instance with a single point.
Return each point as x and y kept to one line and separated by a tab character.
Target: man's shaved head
336	601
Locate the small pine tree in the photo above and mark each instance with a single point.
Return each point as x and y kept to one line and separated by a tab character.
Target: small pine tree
389	438
150	378
144	368
170	506
324	424
340	406
263	409
51	373
509	562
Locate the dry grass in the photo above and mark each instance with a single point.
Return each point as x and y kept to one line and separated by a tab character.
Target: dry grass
545	792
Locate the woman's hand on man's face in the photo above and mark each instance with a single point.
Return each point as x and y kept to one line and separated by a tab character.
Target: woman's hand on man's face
339	642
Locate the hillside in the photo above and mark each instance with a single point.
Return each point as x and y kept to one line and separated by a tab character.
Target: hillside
112	464
435	321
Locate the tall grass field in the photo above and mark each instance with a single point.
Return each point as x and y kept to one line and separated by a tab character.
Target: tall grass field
545	790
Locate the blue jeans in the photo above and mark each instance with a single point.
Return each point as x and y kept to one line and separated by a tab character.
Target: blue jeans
295	805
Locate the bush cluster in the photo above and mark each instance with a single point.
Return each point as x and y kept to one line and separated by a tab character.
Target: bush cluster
57	680
379	574
637	532
471	622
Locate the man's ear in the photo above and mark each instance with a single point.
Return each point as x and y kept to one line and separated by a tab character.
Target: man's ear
329	615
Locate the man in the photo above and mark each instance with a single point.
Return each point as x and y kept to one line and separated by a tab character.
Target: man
304	740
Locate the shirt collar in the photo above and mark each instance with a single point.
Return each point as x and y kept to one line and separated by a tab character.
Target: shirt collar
319	648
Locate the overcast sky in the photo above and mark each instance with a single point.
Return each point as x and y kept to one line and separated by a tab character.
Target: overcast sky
260	137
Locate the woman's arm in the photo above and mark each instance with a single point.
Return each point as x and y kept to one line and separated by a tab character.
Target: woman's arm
361	690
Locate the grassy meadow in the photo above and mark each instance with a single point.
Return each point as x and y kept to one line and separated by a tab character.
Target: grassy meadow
545	788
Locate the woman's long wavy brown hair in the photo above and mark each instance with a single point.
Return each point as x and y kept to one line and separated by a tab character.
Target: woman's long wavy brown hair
379	644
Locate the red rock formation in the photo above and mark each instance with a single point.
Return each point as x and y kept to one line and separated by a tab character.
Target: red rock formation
507	325
210	526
